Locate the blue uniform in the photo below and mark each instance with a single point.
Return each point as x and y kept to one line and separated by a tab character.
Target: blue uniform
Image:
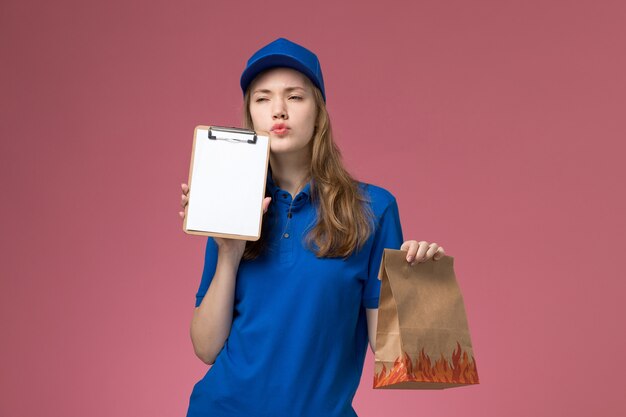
299	333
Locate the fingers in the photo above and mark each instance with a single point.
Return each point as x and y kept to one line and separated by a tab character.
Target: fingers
184	199
411	249
420	256
421	251
432	249
411	246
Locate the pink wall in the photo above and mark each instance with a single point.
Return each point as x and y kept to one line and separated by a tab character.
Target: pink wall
498	125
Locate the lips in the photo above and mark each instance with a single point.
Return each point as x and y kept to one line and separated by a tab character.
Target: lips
280	129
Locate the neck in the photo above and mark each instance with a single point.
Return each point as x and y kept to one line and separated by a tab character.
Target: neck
289	172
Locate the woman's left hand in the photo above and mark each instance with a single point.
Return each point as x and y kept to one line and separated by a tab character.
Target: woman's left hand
422	251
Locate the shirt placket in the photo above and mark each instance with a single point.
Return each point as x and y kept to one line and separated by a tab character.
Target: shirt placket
286	239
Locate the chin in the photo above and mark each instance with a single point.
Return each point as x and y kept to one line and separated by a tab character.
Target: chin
282	148
278	148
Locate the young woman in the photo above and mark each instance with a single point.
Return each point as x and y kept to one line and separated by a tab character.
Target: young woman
285	320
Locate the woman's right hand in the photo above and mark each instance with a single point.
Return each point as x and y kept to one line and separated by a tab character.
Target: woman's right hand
230	247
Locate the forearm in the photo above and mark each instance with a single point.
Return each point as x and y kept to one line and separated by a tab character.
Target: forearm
213	318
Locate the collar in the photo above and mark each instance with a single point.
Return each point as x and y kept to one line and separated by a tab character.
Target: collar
278	194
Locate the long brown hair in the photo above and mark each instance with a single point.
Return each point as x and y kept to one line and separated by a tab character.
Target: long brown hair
344	217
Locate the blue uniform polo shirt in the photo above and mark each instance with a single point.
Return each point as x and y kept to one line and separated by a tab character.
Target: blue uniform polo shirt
299	333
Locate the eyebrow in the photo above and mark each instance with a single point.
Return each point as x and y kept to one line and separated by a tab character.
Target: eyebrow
288	89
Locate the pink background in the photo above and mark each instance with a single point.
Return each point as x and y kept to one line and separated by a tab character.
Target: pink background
498	125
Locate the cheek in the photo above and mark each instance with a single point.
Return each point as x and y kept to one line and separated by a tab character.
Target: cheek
312	126
312	118
256	116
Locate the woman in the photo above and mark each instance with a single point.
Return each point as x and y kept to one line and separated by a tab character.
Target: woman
286	320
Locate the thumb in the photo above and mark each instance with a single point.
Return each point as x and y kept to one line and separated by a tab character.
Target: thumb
266	203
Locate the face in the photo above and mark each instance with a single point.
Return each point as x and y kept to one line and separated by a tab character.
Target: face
282	103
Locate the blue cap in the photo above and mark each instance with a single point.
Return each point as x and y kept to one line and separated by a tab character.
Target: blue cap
283	53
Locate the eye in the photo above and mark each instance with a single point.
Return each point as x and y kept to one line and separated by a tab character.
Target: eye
296	97
260	99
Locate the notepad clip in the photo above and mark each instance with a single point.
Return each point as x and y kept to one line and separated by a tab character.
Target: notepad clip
232	134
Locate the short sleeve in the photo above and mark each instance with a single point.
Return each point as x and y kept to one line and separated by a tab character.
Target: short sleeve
210	264
388	235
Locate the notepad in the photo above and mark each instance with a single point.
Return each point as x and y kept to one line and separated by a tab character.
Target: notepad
227	177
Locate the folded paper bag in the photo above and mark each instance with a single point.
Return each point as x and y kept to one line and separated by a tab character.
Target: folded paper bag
422	338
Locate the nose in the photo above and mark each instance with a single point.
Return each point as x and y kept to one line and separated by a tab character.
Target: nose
279	110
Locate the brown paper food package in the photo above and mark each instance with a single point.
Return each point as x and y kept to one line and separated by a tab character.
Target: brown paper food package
422	339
